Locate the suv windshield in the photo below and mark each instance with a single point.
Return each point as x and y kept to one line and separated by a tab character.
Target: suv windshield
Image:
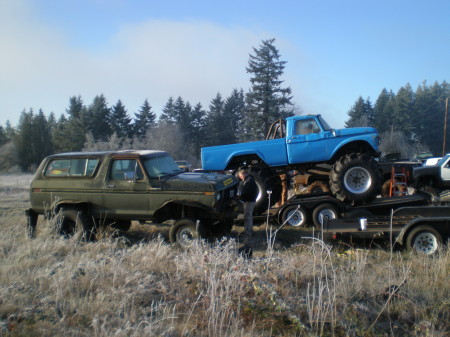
158	167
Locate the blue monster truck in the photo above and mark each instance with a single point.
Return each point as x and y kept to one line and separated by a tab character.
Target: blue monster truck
305	144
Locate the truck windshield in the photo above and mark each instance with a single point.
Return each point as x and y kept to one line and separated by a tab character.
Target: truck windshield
324	123
158	167
443	160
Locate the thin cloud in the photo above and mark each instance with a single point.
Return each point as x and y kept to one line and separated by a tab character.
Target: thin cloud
39	68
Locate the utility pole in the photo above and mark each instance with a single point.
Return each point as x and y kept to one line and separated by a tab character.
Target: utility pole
445	127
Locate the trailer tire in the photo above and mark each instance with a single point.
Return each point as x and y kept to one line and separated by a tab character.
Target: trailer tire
325	211
295	216
424	239
356	178
185	232
265	182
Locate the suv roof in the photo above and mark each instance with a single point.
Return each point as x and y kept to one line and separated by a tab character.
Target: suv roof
146	153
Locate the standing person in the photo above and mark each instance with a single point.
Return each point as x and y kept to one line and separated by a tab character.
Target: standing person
248	191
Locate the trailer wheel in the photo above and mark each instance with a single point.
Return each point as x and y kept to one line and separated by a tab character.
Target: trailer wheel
295	216
355	177
70	221
424	239
184	232
324	212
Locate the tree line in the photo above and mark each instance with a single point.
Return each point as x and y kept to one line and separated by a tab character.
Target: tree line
182	129
408	121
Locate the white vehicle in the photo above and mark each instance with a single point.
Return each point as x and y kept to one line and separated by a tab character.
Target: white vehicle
431	161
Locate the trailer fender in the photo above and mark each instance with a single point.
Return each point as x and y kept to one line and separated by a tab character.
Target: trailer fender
440	224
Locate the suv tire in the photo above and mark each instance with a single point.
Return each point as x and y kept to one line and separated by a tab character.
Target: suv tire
70	220
184	232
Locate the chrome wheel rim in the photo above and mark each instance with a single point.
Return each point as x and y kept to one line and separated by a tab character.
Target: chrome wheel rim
357	180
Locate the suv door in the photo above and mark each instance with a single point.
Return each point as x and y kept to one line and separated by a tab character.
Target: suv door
125	191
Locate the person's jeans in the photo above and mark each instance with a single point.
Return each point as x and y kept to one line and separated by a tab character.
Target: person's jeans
248	221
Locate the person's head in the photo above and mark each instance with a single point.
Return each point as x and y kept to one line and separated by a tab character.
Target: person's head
242	174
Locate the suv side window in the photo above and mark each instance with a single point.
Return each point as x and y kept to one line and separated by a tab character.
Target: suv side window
79	167
126	169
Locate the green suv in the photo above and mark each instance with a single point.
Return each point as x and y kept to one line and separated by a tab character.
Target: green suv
88	189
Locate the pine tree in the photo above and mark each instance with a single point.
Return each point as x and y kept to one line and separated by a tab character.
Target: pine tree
24	139
42	141
198	128
215	122
267	100
9	131
120	121
69	134
233	112
168	115
144	120
361	114
98	119
404	103
3	137
382	117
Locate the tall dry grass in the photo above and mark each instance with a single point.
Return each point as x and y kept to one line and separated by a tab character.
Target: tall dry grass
51	286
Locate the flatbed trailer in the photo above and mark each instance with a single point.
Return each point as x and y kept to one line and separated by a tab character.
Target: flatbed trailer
424	229
314	209
415	221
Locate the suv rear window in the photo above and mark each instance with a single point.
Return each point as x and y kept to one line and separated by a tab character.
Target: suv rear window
79	167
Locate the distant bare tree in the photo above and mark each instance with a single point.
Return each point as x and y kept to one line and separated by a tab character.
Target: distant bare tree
10	160
113	143
397	141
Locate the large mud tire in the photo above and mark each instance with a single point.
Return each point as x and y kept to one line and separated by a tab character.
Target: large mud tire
70	221
355	178
266	181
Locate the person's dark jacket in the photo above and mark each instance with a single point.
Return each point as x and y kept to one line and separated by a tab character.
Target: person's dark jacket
248	189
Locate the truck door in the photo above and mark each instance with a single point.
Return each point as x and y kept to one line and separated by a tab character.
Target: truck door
307	143
126	188
445	173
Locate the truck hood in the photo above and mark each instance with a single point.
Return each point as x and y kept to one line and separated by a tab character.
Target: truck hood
200	182
355	131
426	171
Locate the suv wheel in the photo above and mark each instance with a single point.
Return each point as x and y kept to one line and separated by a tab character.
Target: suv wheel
184	232
70	221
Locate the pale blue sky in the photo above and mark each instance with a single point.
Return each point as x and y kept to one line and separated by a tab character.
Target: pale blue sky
131	50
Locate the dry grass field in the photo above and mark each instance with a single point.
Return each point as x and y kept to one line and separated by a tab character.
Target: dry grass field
137	284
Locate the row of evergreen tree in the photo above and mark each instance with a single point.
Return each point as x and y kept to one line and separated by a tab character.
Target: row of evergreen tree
237	118
418	117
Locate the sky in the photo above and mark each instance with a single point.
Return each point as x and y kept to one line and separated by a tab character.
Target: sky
132	50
